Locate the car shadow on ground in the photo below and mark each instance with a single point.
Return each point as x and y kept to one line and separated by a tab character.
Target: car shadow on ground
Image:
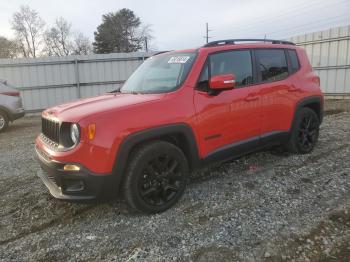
245	164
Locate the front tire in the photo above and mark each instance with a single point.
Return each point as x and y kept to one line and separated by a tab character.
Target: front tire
304	133
156	177
4	121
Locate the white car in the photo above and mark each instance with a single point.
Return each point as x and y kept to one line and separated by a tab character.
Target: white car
11	107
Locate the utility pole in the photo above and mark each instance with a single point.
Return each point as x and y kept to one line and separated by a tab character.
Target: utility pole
207	32
146	44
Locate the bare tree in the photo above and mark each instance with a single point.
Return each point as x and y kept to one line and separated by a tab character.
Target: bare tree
28	27
8	48
61	41
145	36
82	45
58	38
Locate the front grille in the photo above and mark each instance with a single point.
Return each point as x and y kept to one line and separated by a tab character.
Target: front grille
51	129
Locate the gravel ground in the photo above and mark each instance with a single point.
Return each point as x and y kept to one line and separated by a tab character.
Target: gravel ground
268	206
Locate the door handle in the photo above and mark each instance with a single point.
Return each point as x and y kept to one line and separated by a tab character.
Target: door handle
251	98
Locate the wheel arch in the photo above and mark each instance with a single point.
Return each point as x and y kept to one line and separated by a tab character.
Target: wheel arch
6	111
179	134
314	102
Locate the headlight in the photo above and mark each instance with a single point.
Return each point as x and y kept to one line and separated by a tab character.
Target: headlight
74	133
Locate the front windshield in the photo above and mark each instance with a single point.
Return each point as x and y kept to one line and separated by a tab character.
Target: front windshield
160	74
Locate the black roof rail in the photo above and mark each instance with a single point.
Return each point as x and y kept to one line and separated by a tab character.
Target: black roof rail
160	52
233	41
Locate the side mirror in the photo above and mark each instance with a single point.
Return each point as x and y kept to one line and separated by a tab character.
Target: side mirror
223	82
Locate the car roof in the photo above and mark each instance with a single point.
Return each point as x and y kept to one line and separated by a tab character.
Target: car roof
231	44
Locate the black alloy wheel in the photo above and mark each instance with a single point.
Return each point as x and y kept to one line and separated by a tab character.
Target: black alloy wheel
161	180
308	132
304	132
156	177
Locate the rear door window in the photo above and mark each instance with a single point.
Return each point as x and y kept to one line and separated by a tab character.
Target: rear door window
272	64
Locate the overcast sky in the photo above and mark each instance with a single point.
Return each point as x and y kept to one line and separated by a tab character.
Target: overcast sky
180	24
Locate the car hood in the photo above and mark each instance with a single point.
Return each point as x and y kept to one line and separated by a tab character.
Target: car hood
77	110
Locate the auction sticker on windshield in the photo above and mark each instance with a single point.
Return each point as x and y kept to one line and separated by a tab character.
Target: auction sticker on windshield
178	59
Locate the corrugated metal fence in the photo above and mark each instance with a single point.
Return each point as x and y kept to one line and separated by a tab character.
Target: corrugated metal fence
48	81
329	54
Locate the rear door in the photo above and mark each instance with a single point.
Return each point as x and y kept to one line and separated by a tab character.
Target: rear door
276	90
230	116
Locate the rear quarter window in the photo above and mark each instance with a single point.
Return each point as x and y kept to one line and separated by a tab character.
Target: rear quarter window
294	62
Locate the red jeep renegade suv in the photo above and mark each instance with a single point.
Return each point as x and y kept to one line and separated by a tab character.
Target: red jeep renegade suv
177	112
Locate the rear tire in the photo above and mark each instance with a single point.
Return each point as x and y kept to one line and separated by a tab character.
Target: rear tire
4	121
304	133
155	177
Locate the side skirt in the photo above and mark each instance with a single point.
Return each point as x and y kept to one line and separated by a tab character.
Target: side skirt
245	147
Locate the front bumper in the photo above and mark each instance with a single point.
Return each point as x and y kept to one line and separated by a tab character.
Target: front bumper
74	185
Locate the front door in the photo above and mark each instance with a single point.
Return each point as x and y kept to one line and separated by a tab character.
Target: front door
232	116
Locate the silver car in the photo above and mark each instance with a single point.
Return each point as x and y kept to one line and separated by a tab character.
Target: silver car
11	107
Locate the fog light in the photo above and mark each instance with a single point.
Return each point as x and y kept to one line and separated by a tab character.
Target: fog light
71	168
74	185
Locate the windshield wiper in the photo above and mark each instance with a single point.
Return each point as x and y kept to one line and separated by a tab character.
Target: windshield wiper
130	92
115	91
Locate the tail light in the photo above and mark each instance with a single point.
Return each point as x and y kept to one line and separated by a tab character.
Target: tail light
16	93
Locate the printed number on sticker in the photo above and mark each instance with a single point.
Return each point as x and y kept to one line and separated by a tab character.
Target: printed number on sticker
178	59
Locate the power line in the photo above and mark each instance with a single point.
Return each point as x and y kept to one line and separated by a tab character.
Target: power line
282	15
310	25
309	31
343	18
297	13
291	14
